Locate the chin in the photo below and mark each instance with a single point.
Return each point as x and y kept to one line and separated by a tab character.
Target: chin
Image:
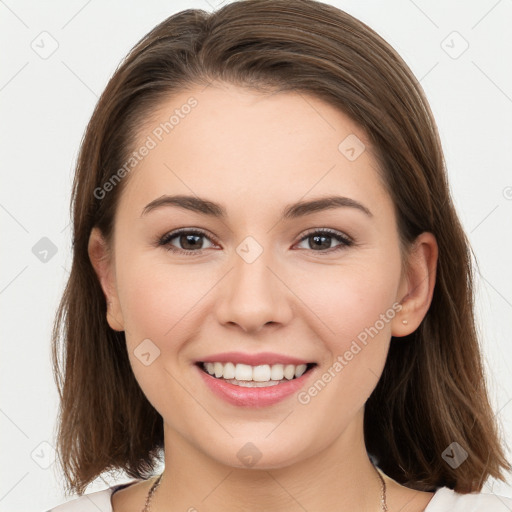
260	452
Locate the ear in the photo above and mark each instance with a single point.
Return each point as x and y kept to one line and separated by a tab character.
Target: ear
417	285
103	262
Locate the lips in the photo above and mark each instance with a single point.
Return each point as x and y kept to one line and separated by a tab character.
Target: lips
253	359
255	397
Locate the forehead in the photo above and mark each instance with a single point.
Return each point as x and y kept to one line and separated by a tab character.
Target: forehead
254	147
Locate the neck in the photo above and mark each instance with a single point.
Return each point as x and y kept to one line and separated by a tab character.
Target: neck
341	478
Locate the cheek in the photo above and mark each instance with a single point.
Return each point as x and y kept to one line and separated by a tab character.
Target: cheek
351	298
354	319
156	298
157	302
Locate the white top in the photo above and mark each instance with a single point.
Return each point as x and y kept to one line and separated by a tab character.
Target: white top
444	500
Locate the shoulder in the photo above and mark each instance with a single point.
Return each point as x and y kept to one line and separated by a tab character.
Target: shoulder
92	502
447	500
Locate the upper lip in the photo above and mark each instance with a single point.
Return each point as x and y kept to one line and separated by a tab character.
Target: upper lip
253	359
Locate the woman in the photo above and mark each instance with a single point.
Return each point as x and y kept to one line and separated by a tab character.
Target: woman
271	292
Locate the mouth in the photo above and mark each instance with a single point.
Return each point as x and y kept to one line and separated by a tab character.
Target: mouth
259	376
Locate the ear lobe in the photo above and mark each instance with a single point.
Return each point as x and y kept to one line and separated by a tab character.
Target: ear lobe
103	263
417	286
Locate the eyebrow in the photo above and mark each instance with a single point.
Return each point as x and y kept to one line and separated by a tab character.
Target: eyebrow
292	211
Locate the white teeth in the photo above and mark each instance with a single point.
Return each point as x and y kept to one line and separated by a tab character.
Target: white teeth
300	369
217	368
242	372
252	384
260	373
229	371
276	372
289	371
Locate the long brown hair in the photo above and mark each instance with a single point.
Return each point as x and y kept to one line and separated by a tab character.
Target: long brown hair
432	391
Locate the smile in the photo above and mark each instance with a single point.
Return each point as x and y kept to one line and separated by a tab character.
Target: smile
260	375
258	386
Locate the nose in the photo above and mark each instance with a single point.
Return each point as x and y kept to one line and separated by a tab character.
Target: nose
254	295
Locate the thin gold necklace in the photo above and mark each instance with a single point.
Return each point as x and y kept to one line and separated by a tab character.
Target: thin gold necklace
383	503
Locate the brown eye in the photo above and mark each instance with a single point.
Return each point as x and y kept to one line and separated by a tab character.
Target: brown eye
188	241
321	240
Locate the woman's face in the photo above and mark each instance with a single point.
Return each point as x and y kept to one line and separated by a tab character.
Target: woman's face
255	280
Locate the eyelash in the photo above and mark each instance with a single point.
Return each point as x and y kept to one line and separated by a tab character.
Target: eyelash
166	239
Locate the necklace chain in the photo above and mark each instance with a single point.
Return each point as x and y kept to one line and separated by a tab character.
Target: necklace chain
147	505
154	487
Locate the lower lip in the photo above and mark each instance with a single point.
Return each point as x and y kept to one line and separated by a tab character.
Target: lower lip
254	397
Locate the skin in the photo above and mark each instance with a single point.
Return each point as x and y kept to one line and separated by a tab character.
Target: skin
254	154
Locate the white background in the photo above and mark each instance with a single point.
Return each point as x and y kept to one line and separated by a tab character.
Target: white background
46	103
